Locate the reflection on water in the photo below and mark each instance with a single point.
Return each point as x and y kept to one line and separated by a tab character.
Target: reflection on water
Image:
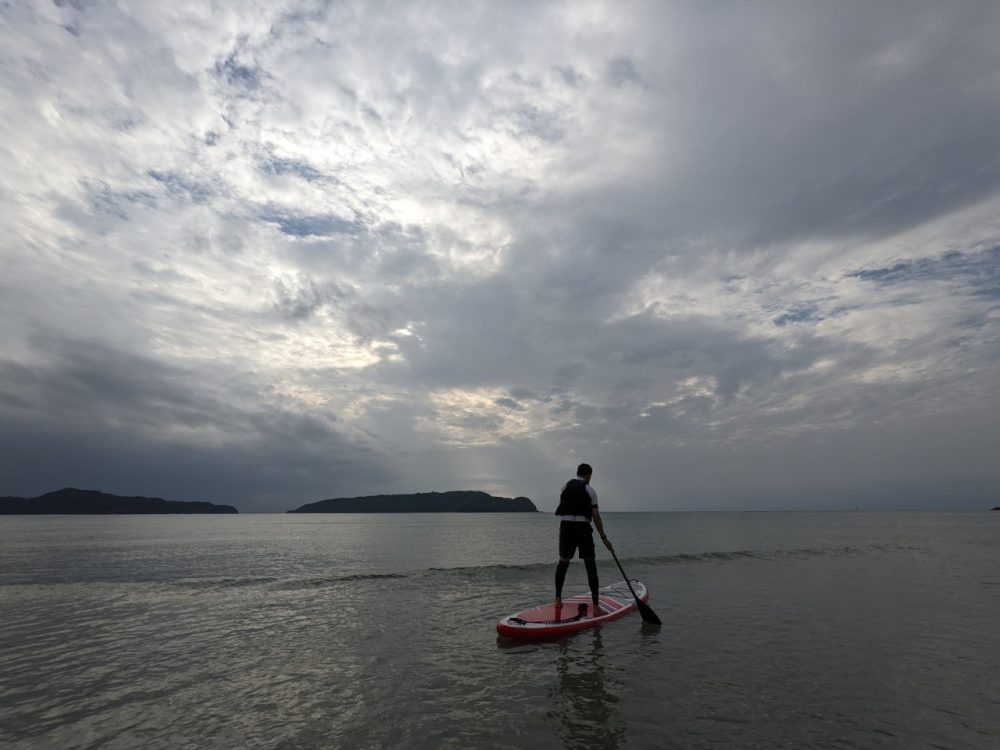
649	629
585	699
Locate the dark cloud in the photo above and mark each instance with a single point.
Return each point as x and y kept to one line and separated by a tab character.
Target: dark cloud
621	70
980	270
183	187
104	199
802	313
303	297
828	122
537	122
312	226
246	76
509	403
281	166
123	422
569	74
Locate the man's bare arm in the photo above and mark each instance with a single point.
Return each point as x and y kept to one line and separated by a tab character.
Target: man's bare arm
600	526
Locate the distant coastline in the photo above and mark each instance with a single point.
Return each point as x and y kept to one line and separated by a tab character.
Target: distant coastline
70	501
422	502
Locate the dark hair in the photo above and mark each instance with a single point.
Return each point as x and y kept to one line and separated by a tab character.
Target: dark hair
584	470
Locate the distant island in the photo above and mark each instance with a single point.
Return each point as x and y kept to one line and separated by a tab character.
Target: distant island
74	501
423	502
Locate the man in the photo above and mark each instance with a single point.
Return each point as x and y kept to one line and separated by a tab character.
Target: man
577	508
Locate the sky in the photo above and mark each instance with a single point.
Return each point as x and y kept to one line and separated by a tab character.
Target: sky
737	256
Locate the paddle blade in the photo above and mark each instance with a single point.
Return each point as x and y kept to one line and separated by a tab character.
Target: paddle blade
648	615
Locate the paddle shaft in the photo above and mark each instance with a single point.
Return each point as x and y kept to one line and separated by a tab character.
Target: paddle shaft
648	615
625	576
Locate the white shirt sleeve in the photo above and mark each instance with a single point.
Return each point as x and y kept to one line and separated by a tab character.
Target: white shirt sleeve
593	496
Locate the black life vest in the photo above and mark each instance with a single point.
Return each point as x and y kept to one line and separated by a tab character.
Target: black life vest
575	500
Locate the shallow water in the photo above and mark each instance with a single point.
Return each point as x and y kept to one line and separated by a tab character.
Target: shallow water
312	631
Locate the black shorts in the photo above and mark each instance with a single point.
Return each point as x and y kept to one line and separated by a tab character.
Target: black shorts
575	535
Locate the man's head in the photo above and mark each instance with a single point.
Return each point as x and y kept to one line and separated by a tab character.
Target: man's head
584	471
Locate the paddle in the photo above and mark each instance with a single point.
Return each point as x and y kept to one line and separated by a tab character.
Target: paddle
648	615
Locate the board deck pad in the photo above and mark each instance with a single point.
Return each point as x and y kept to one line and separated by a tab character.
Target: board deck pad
545	621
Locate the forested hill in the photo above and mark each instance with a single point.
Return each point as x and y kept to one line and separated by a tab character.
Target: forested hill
423	502
74	501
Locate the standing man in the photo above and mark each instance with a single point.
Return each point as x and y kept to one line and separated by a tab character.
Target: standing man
577	508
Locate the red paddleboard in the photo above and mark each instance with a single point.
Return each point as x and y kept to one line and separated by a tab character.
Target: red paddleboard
547	622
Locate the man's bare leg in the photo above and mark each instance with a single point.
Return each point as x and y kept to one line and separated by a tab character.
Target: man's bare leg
591	565
561	569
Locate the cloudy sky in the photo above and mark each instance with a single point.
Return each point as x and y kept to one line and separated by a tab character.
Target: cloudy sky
736	255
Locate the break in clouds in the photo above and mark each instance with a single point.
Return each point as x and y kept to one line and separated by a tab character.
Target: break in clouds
734	255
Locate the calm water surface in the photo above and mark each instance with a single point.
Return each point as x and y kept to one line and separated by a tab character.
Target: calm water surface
794	630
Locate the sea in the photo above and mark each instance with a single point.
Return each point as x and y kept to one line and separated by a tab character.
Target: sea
779	630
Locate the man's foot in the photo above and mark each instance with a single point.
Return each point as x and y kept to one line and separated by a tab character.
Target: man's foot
597	609
558	602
